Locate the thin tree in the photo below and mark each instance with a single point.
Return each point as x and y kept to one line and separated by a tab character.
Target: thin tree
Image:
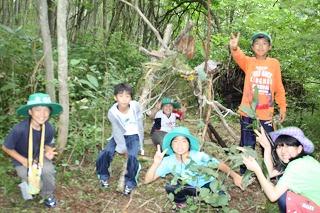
47	48
63	73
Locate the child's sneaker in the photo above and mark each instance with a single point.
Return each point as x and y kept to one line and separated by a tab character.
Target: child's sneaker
127	190
50	202
104	183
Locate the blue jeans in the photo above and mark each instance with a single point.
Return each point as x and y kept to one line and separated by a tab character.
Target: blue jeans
248	137
282	203
106	156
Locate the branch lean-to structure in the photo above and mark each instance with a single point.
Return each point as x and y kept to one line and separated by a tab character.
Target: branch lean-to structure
155	76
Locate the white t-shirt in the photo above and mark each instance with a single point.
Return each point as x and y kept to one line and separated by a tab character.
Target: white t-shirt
167	123
129	122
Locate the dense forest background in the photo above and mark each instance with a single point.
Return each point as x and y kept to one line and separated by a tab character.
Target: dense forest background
103	38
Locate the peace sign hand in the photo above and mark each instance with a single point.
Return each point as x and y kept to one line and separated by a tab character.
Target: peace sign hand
262	139
234	40
158	156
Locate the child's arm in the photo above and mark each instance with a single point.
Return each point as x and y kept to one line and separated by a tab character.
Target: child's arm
272	192
234	40
237	179
151	173
49	152
15	155
264	142
239	57
154	110
280	94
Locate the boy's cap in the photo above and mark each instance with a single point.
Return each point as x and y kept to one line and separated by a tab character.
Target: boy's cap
261	35
39	99
296	133
179	131
167	100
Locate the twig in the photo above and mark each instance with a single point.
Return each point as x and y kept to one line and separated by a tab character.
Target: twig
128	204
145	203
107	204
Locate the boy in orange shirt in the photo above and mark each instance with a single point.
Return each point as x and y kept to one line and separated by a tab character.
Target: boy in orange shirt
264	73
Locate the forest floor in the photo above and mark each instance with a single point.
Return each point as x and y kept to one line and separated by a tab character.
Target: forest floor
78	190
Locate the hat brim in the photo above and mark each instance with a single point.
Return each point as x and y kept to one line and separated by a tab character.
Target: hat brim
307	144
54	107
261	35
166	144
175	105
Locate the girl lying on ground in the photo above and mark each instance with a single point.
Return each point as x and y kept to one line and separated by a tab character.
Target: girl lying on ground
298	189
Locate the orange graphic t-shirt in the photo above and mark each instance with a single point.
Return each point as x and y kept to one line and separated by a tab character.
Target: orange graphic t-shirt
264	74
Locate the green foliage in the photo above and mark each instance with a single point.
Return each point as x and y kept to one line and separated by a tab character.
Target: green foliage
216	196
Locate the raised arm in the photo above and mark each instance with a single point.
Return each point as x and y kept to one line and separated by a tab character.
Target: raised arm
151	173
267	157
238	56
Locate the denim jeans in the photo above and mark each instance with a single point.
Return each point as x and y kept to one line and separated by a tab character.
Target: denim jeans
248	137
282	203
106	156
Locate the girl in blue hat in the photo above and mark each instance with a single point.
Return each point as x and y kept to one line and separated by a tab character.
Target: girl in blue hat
182	147
30	145
298	188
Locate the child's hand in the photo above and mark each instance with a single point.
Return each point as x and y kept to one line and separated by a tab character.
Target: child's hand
159	155
158	105
50	153
237	180
234	40
262	138
25	162
251	163
183	109
282	116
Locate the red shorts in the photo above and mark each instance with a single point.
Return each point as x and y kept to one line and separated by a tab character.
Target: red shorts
300	204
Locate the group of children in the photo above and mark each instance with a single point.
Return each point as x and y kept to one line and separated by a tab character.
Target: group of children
30	143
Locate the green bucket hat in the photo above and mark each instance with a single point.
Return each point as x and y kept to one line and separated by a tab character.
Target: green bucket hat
39	99
167	100
261	35
179	131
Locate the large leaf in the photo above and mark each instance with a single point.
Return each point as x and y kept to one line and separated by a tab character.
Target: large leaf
93	80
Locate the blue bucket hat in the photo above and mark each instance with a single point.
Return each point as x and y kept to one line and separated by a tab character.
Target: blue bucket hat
39	99
261	35
179	131
296	133
167	100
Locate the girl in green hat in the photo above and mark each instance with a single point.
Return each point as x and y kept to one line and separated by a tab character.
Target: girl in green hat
29	144
182	148
165	119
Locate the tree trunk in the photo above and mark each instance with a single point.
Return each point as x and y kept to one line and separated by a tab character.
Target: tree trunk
63	73
47	48
52	17
104	18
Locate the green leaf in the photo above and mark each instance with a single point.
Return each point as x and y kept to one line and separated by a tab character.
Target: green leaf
88	84
249	111
255	98
75	62
93	80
